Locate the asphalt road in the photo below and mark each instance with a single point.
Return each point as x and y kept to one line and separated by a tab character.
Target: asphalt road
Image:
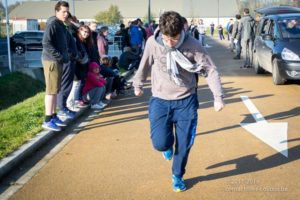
112	157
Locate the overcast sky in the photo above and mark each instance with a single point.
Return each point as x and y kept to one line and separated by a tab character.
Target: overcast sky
10	1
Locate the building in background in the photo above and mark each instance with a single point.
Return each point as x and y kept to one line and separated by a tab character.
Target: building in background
25	25
85	10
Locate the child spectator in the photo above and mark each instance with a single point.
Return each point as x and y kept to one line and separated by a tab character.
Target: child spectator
119	81
109	75
94	88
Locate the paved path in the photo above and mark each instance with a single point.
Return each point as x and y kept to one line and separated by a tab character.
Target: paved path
112	157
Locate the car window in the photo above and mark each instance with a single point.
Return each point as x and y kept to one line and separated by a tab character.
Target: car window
273	30
29	34
265	27
290	27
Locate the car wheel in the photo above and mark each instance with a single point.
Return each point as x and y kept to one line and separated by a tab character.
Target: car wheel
257	68
277	78
19	49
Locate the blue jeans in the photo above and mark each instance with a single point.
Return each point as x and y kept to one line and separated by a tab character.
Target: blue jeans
238	48
169	116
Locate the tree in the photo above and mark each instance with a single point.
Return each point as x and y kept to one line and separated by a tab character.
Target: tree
2	11
110	16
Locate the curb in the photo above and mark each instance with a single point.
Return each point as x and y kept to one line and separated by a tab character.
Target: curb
9	162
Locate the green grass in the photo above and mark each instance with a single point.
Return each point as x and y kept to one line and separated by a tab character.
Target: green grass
21	121
16	87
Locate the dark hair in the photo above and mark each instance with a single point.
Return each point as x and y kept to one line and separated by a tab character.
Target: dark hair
61	4
103	29
238	16
184	20
114	61
170	23
122	25
89	40
246	10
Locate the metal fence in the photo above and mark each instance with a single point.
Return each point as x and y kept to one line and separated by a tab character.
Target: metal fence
115	46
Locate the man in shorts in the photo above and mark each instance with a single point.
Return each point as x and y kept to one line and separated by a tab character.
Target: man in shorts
54	54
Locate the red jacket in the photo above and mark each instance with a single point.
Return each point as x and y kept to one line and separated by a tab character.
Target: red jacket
93	80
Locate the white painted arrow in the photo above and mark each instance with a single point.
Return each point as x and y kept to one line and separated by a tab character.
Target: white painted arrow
273	134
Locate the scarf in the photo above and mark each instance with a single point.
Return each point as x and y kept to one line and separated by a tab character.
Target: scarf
175	56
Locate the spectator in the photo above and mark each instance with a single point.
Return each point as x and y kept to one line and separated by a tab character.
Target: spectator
118	81
94	87
173	106
102	42
129	60
229	29
201	28
246	34
93	28
194	31
220	31
68	70
84	44
54	54
109	75
136	36
148	30
124	37
236	41
212	29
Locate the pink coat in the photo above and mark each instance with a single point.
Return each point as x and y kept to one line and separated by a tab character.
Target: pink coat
93	80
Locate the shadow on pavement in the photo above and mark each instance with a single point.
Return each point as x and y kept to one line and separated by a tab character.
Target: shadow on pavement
248	164
124	106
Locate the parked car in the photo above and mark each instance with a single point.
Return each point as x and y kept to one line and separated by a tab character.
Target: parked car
277	43
26	40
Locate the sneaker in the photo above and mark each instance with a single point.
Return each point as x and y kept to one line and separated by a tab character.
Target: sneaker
66	113
108	96
178	184
168	154
114	95
51	126
102	104
96	107
81	104
236	57
58	122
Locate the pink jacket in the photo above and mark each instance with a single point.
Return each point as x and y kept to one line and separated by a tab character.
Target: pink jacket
102	46
93	80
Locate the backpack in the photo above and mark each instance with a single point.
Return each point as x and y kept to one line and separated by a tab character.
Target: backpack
195	32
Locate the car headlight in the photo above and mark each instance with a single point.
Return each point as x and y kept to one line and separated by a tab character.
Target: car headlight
287	54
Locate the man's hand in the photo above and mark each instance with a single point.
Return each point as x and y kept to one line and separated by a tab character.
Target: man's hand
138	92
218	106
235	41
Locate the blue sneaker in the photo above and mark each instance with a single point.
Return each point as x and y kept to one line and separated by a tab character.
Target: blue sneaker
51	126
168	154
58	122
66	113
178	184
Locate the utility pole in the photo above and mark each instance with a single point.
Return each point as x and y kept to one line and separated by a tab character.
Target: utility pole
7	36
218	12
73	8
149	11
